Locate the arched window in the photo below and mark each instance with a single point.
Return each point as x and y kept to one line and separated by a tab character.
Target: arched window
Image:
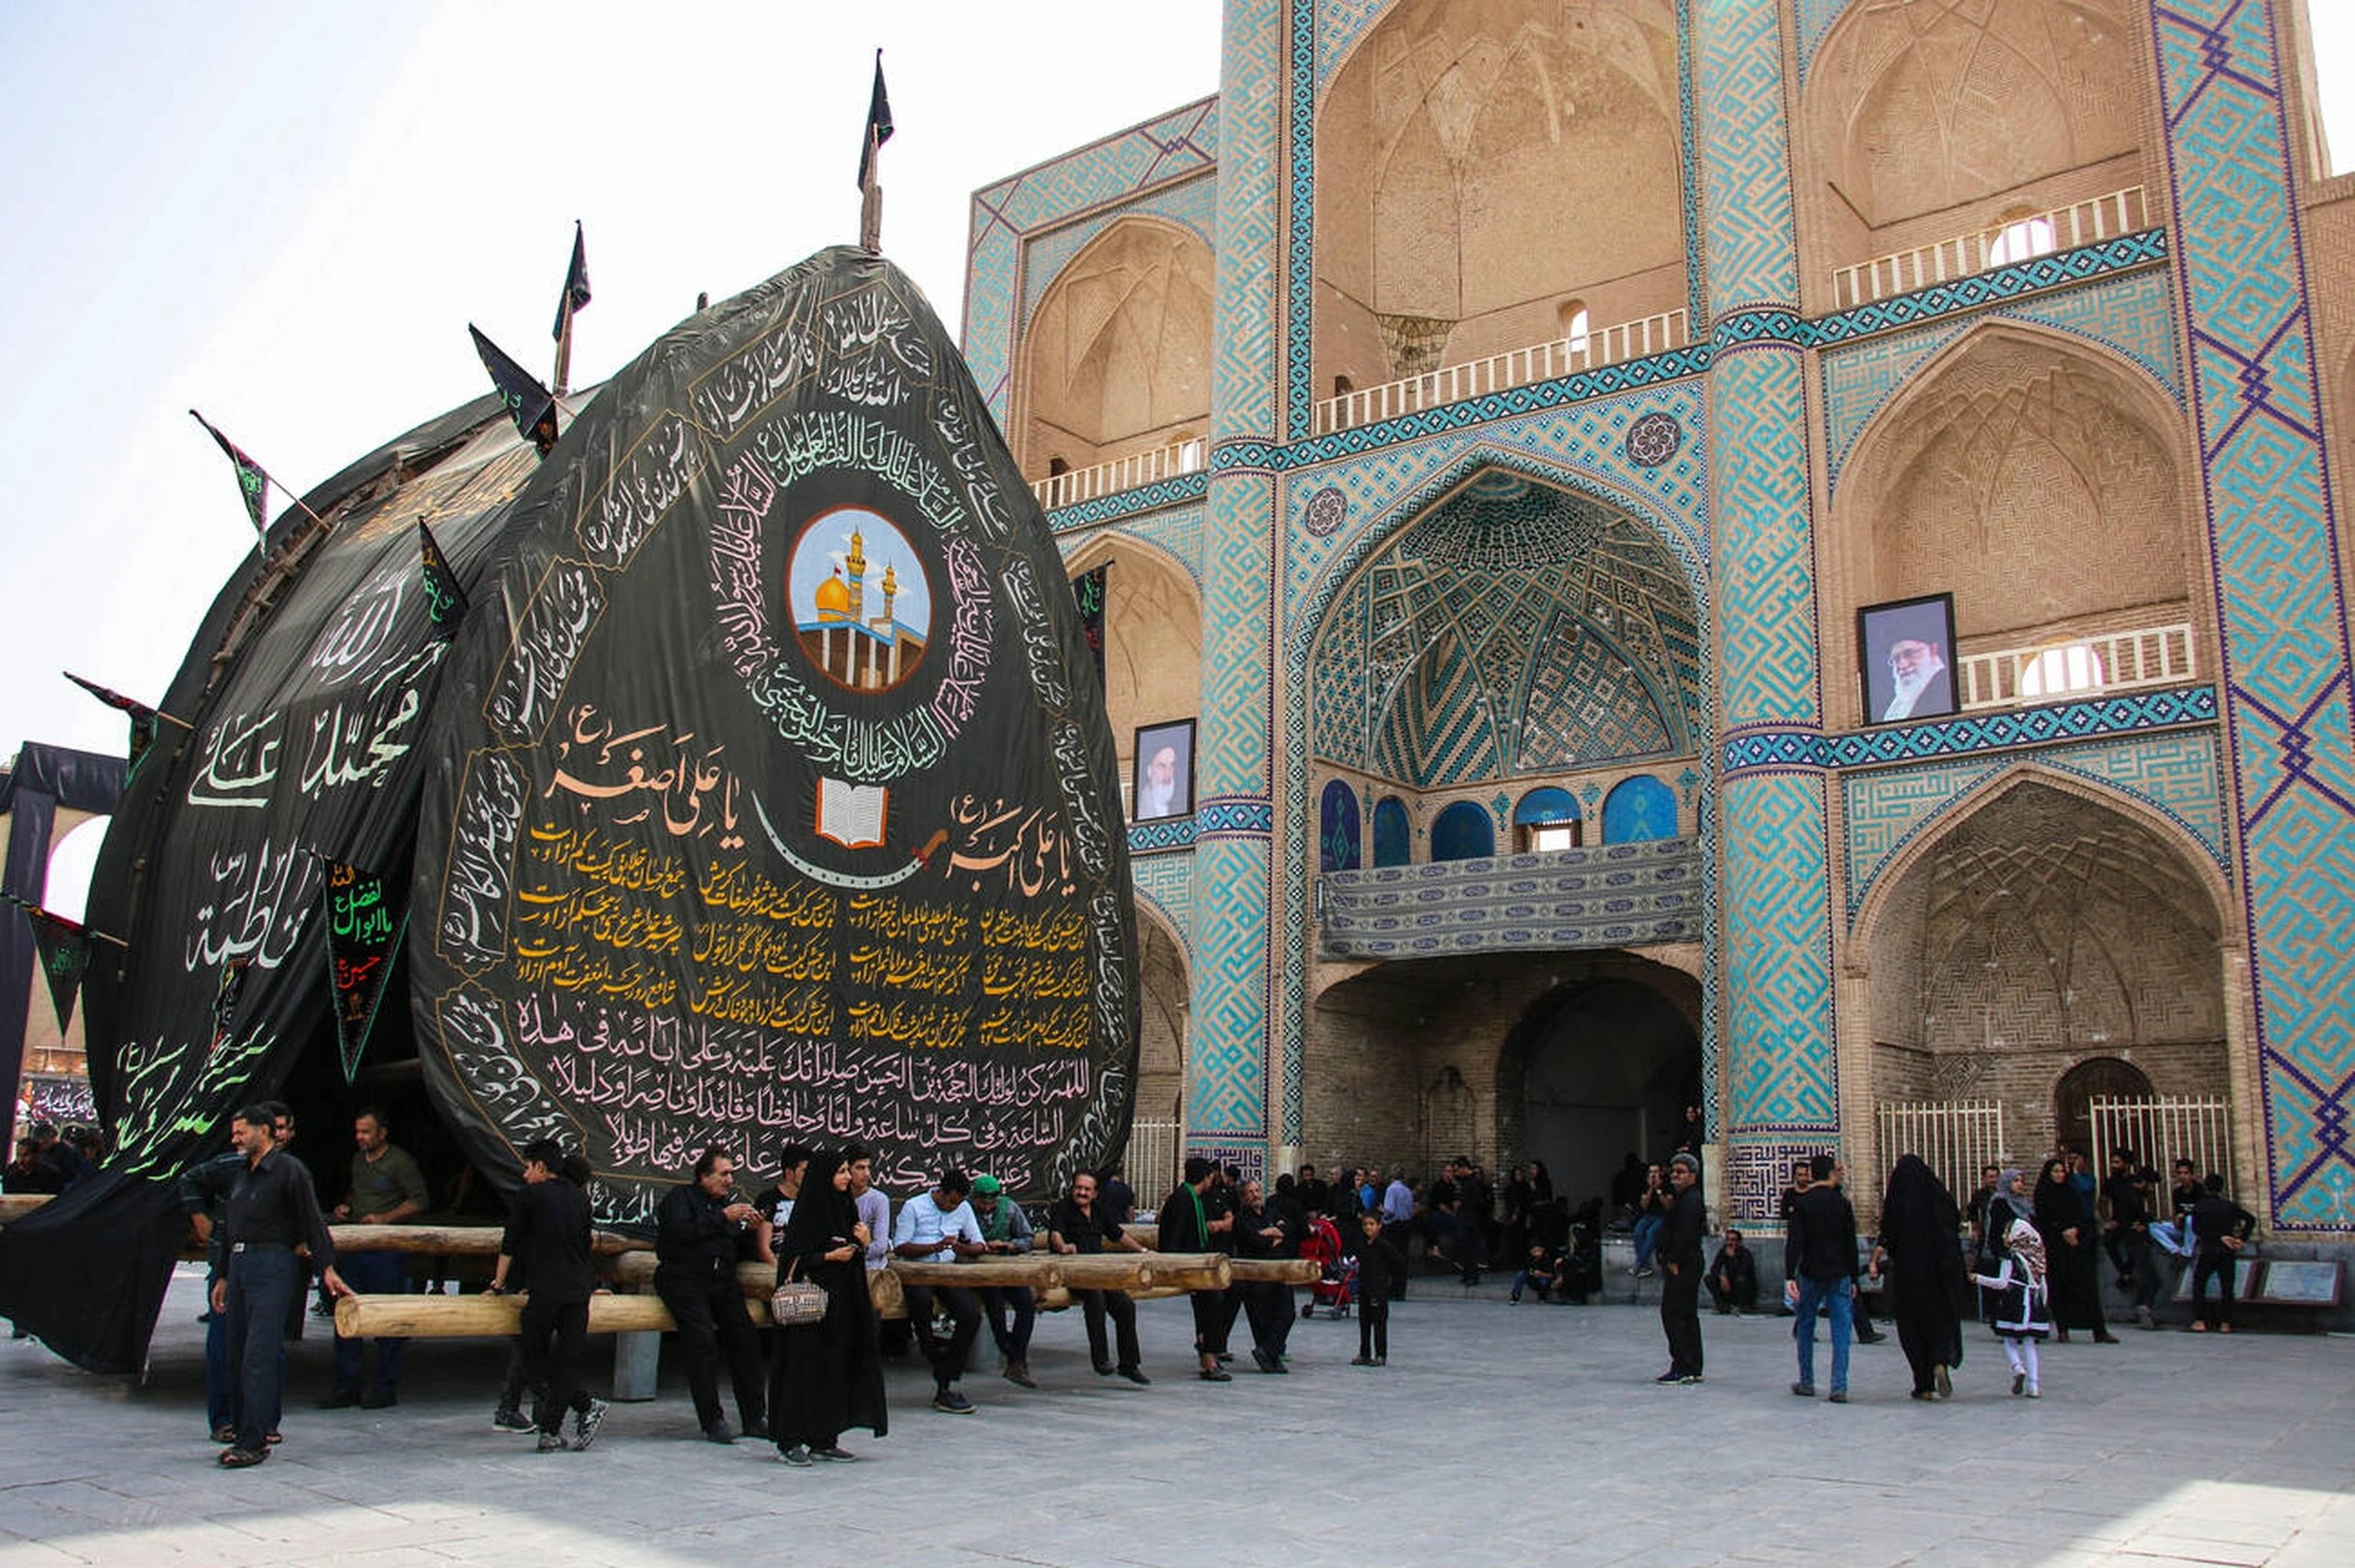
1464	831
1547	818
1572	316
2021	239
1393	838
2060	671
1343	386
1057	466
1190	454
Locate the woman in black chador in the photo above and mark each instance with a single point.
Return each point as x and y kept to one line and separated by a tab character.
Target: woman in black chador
829	1375
1921	1234
2065	1221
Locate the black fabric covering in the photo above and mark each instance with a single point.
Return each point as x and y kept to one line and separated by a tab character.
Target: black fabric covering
304	744
632	931
46	779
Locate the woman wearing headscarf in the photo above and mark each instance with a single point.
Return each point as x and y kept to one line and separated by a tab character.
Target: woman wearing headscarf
1921	1240
828	1376
2067	1231
2022	1312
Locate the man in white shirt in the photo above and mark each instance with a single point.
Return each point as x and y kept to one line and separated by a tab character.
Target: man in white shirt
939	1227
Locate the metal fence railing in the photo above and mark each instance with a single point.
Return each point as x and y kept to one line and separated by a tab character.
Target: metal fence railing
1954	1139
2161	1131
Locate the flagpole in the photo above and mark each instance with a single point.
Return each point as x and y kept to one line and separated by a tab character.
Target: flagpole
262	542
564	351
870	199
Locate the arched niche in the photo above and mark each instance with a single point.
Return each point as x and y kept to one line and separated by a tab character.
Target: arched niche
2046	921
1339	835
1167	989
1925	121
1116	357
2038	478
1463	150
1153	637
1464	830
1638	808
1394	837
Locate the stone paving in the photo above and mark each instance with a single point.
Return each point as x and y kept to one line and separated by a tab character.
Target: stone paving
1527	1434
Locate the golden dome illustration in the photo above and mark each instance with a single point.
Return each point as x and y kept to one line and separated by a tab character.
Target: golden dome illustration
832	596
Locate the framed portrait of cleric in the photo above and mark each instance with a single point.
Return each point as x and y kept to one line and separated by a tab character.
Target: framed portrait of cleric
1907	649
1164	772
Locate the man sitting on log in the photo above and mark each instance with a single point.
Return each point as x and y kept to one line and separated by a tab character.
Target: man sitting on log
698	1228
1006	1230
387	1187
939	1226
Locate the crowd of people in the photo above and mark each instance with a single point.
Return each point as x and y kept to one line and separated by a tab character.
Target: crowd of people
2021	1253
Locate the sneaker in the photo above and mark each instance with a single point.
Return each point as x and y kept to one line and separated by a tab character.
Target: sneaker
1804	1391
552	1443
1360	1361
1646	1272
513	1421
1839	1396
718	1432
585	1423
835	1452
1016	1372
1381	1360
1136	1377
1689	1380
1103	1368
797	1456
949	1402
1671	1376
2035	1392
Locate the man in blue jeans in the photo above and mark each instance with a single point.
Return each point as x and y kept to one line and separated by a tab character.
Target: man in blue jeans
271	1211
1819	1268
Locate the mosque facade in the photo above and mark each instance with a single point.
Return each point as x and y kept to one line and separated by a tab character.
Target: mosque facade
1778	555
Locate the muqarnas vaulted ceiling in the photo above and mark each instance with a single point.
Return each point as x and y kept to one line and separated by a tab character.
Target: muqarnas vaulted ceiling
1514	629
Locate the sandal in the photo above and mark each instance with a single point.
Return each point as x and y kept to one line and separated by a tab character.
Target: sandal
242	1459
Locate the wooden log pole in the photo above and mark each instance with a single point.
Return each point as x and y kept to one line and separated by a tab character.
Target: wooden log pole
1038	1272
16	1206
1277	1271
456	1317
1142	1271
479	1240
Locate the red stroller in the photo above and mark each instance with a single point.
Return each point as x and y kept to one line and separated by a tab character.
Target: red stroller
1336	1281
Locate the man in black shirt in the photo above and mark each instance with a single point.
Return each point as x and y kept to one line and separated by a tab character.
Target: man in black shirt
272	1210
2223	1227
1077	1226
1733	1278
1189	1226
1818	1271
1680	1254
546	1245
2128	1236
697	1228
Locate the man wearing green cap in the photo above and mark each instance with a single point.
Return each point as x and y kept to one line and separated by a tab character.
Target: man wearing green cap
1007	1231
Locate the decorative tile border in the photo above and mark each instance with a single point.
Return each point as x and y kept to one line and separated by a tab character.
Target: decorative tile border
1157	837
1768	749
1129	503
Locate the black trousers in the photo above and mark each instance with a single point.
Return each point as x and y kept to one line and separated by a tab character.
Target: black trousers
1211	1316
1374	1327
1267	1309
947	1356
2221	1266
552	1334
1094	1305
712	1322
1679	1319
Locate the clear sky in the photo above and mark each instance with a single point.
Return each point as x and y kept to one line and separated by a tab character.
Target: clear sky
285	214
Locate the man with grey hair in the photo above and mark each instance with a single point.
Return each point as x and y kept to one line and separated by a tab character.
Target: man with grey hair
1680	1255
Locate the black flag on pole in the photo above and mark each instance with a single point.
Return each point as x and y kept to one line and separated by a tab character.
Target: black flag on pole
363	935
63	947
879	125
576	284
142	716
527	401
251	481
224	1001
445	601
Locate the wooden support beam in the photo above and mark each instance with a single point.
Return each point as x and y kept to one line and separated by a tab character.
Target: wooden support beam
478	1240
1277	1271
1033	1269
16	1206
1142	1271
453	1317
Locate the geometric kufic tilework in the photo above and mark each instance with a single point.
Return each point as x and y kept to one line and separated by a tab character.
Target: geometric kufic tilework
1751	248
1779	1067
1250	206
2000	285
1227	1083
1756	1174
1888	809
2240	267
1767	655
2133	314
1300	250
1339	23
1167	882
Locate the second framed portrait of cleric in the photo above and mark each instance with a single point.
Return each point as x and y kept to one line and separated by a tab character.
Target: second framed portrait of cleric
1164	771
1907	647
